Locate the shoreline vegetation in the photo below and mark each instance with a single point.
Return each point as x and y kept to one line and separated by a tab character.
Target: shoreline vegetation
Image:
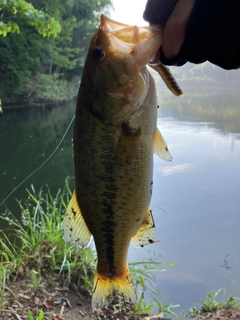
53	94
39	271
51	90
38	104
43	46
42	277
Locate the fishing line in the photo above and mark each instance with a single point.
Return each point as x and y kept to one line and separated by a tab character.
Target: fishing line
32	173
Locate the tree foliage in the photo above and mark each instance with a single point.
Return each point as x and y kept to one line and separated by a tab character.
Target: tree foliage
31	64
11	10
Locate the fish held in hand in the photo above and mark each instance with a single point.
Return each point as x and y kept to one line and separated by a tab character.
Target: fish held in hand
115	136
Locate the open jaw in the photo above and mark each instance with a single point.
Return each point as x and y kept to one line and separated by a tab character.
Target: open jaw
141	43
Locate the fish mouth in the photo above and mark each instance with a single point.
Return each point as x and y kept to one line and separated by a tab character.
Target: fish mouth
141	43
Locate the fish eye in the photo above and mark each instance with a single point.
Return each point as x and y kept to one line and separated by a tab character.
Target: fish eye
98	53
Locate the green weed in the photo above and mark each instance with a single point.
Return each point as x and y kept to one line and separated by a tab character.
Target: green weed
143	277
31	316
193	312
211	304
233	302
35	283
35	242
166	309
3	287
34	247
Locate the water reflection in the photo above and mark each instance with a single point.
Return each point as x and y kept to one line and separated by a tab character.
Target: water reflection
195	199
196	209
196	202
27	138
218	109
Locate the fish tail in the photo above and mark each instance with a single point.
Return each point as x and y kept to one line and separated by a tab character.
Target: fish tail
106	289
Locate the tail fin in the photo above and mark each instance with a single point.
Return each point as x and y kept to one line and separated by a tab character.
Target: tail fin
105	289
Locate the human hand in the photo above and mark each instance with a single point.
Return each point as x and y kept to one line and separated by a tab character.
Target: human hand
197	31
171	17
175	28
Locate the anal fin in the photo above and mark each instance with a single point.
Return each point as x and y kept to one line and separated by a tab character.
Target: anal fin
146	233
75	230
160	147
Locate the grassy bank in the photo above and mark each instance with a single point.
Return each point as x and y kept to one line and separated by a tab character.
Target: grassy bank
47	91
42	277
35	260
215	306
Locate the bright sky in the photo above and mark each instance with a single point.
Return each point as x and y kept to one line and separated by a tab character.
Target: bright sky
129	11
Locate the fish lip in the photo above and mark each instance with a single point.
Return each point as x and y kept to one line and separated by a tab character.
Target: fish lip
138	43
109	25
137	34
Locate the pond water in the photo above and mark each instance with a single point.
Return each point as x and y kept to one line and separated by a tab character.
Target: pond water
196	197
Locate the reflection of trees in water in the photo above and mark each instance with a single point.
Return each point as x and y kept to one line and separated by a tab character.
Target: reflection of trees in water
27	138
204	75
220	110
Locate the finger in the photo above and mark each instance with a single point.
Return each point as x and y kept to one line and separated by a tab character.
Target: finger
158	11
174	31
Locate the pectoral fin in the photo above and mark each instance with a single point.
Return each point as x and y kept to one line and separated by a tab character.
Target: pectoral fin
75	230
146	233
160	147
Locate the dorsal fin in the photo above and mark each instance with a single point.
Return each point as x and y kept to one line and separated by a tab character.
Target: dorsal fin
75	230
160	147
146	233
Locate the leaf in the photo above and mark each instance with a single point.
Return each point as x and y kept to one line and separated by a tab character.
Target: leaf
37	301
57	317
34	17
40	316
48	303
24	296
30	315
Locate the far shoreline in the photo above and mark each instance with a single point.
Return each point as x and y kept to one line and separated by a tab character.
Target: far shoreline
39	104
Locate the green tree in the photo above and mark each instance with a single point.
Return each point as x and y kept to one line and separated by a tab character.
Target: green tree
36	69
12	10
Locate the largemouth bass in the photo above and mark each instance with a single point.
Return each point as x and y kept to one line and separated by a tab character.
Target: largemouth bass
115	136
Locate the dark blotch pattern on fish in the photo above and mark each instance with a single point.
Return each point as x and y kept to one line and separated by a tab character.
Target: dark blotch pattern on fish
109	233
74	212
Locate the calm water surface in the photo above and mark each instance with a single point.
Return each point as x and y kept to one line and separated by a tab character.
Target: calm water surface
196	198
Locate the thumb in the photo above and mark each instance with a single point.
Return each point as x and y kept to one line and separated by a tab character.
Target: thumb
174	31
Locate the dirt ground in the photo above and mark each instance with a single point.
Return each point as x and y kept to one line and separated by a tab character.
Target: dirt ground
225	313
70	304
56	302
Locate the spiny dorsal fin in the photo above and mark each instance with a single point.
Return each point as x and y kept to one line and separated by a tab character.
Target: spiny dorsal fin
146	233
160	147
75	230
